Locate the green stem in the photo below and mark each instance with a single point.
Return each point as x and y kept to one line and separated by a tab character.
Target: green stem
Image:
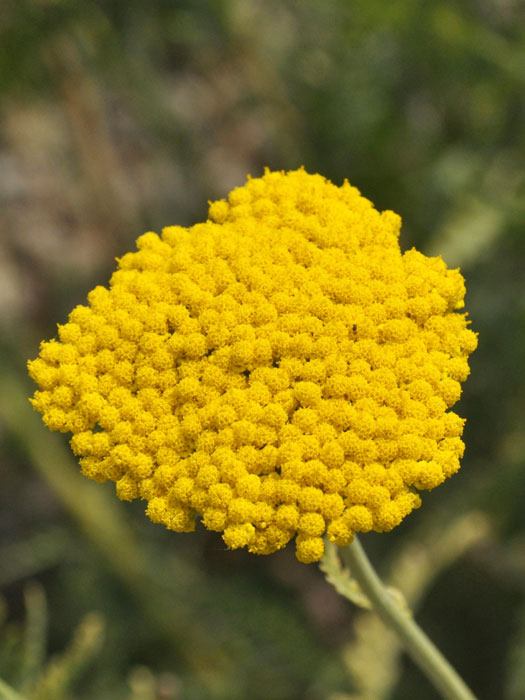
422	651
8	693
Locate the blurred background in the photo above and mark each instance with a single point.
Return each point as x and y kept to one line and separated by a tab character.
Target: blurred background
119	116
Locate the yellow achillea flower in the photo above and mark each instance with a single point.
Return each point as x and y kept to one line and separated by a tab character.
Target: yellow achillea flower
281	370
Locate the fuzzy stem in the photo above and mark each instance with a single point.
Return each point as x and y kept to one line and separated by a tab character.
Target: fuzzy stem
422	651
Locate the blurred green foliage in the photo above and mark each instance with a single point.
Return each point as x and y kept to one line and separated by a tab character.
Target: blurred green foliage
118	116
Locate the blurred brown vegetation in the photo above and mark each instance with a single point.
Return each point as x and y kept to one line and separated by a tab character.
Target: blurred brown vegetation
117	117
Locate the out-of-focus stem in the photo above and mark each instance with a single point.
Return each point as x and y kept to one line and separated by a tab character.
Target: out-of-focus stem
8	693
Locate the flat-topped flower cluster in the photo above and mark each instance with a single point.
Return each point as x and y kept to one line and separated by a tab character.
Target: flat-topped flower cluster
280	371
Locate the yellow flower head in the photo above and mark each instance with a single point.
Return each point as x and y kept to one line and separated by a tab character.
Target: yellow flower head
281	370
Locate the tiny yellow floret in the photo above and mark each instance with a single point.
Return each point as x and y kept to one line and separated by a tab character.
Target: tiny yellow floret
280	371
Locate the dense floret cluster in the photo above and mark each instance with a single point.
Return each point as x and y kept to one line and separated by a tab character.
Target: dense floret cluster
280	371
